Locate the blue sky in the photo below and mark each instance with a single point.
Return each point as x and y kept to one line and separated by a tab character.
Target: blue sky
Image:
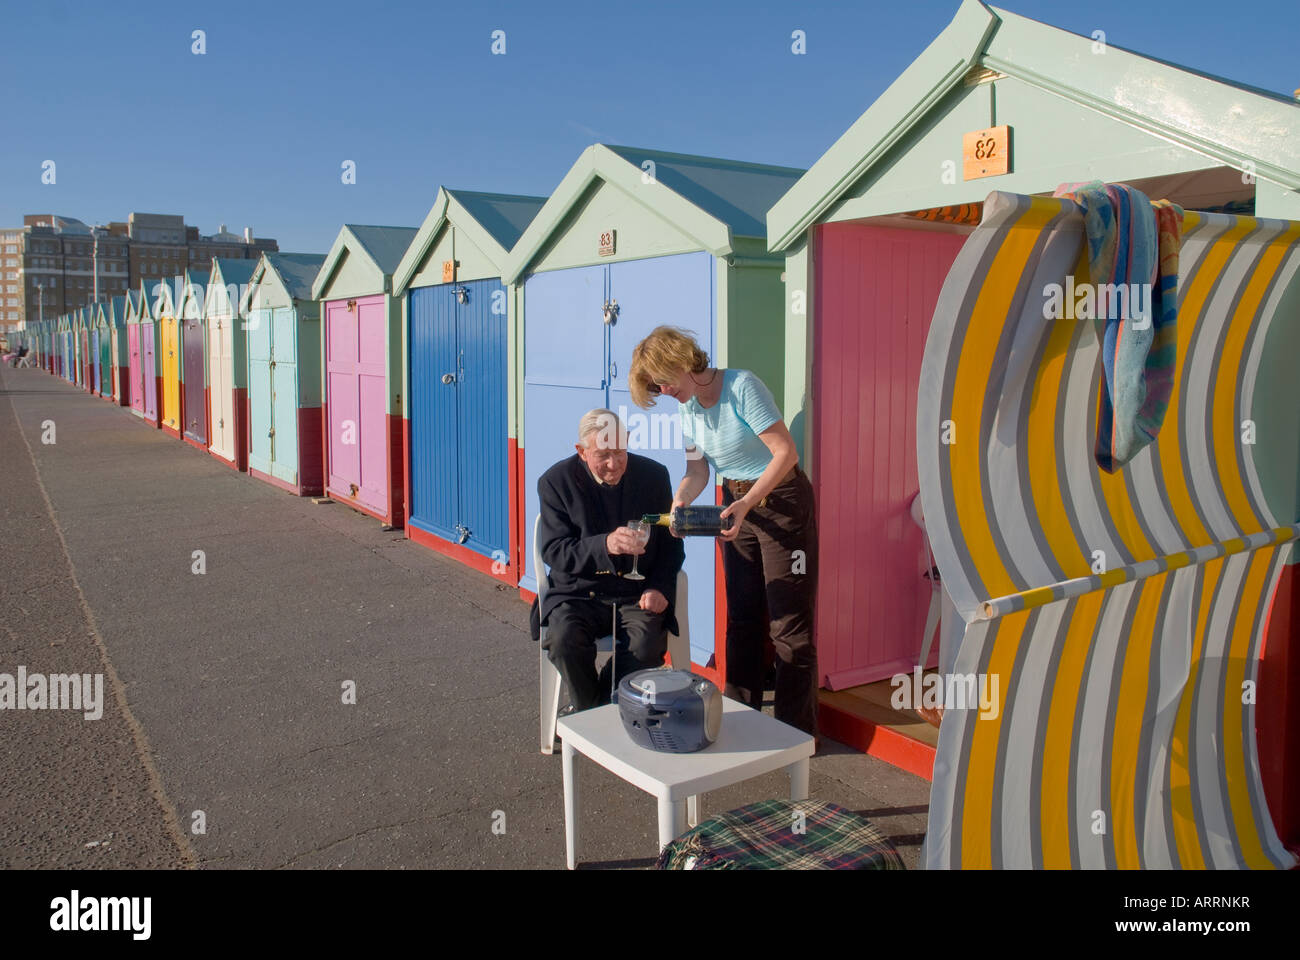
254	131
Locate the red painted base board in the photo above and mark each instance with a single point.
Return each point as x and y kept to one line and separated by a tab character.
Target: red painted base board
471	559
298	491
241	428
883	743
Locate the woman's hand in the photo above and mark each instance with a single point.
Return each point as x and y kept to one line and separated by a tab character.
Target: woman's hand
672	528
737	512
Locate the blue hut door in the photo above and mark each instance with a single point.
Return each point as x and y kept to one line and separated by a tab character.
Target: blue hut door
573	362
565	366
459	442
259	390
284	395
676	290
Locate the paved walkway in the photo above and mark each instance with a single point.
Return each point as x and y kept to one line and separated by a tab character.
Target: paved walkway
223	691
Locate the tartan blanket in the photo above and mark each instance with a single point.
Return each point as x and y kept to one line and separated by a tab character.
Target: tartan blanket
783	835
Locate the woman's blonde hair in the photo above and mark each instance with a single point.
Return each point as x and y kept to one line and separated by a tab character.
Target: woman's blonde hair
662	357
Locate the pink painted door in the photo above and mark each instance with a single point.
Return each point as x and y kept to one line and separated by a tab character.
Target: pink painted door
357	395
875	293
136	374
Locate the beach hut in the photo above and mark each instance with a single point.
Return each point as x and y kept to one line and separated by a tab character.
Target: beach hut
283	346
190	304
142	343
82	318
73	369
629	240
94	319
363	357
166	304
104	352
118	352
996	102
1055	110
67	349
227	361
86	340
459	432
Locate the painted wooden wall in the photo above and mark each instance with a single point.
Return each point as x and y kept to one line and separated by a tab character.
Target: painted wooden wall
877	288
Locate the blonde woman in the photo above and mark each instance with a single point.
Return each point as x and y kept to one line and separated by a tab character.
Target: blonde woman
769	556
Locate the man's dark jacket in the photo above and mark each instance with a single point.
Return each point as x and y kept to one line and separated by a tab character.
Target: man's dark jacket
574	527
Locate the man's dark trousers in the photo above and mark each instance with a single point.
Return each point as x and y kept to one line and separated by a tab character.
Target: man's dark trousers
571	634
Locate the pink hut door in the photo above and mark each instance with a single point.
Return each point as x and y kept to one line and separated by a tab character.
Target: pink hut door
137	378
357	394
876	288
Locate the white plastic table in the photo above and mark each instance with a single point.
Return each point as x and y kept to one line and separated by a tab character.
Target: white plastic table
749	744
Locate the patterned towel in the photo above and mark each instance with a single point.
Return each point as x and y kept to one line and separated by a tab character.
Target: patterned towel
763	836
1132	244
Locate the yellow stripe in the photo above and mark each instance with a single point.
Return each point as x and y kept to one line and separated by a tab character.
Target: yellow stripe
1042	443
1180	781
1168	443
1222	403
1130	716
1232	754
976	353
1058	737
981	760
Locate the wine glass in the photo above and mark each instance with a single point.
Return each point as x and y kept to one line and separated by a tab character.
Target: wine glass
642	531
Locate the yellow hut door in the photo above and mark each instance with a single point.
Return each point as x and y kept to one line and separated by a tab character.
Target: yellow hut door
171	373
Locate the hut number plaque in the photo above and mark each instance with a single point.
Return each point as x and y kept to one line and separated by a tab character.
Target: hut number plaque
986	153
606	247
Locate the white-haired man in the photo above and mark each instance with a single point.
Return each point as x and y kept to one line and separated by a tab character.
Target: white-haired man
586	501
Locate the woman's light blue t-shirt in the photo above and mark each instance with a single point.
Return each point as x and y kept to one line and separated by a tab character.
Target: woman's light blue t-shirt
727	433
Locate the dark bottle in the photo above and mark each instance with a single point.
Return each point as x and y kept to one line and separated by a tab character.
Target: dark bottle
692	521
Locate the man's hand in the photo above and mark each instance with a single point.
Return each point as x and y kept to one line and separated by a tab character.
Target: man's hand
654	601
623	540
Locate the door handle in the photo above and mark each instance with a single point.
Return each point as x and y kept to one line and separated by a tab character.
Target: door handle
449	378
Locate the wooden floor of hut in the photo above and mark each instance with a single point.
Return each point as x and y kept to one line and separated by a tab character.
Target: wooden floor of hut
863	717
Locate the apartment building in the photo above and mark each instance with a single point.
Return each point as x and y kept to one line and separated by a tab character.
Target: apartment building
48	266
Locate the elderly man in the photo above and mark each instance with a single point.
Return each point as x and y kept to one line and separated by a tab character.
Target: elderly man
586	501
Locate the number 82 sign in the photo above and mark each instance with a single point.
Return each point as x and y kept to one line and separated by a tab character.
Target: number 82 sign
986	153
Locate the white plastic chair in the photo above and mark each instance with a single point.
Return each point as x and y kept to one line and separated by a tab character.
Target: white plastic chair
679	646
